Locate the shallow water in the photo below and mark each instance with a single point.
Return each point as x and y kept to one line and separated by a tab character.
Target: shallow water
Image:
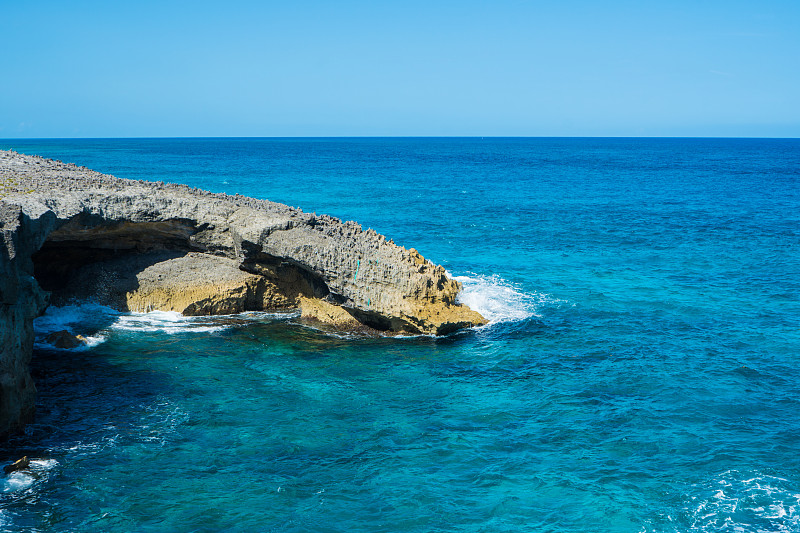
639	374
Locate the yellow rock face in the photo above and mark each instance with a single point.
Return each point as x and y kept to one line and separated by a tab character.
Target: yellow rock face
248	294
327	313
221	289
441	318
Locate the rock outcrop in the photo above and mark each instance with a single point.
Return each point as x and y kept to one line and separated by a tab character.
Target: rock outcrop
69	232
16	466
64	339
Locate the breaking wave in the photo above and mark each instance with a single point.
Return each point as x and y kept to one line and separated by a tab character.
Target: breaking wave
501	301
94	322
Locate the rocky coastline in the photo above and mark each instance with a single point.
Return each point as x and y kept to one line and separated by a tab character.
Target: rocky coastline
69	233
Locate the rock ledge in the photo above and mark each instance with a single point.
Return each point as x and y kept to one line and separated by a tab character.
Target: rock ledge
68	232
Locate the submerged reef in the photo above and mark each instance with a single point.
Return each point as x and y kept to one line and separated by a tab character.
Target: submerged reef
70	233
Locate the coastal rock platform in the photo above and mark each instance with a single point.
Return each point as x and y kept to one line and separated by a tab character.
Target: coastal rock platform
67	232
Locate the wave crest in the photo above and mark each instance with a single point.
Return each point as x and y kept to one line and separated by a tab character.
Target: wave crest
499	300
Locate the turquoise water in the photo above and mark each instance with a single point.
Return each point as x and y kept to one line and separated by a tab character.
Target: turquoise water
640	372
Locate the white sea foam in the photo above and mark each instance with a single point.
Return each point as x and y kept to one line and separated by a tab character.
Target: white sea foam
18	481
735	501
165	322
23	479
172	322
499	300
69	316
41	465
88	320
95	322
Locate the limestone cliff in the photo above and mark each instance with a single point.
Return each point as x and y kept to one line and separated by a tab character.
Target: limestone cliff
139	246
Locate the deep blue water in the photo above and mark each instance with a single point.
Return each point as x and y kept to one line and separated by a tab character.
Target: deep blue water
641	372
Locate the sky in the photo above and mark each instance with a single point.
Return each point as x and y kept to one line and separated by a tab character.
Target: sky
699	68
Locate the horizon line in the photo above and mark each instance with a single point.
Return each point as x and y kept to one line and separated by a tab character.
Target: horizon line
401	137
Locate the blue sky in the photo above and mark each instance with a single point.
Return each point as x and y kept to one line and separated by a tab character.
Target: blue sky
361	68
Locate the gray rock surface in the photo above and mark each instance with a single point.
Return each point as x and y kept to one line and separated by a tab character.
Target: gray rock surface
135	244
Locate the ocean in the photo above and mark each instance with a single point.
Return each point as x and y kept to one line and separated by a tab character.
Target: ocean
640	373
